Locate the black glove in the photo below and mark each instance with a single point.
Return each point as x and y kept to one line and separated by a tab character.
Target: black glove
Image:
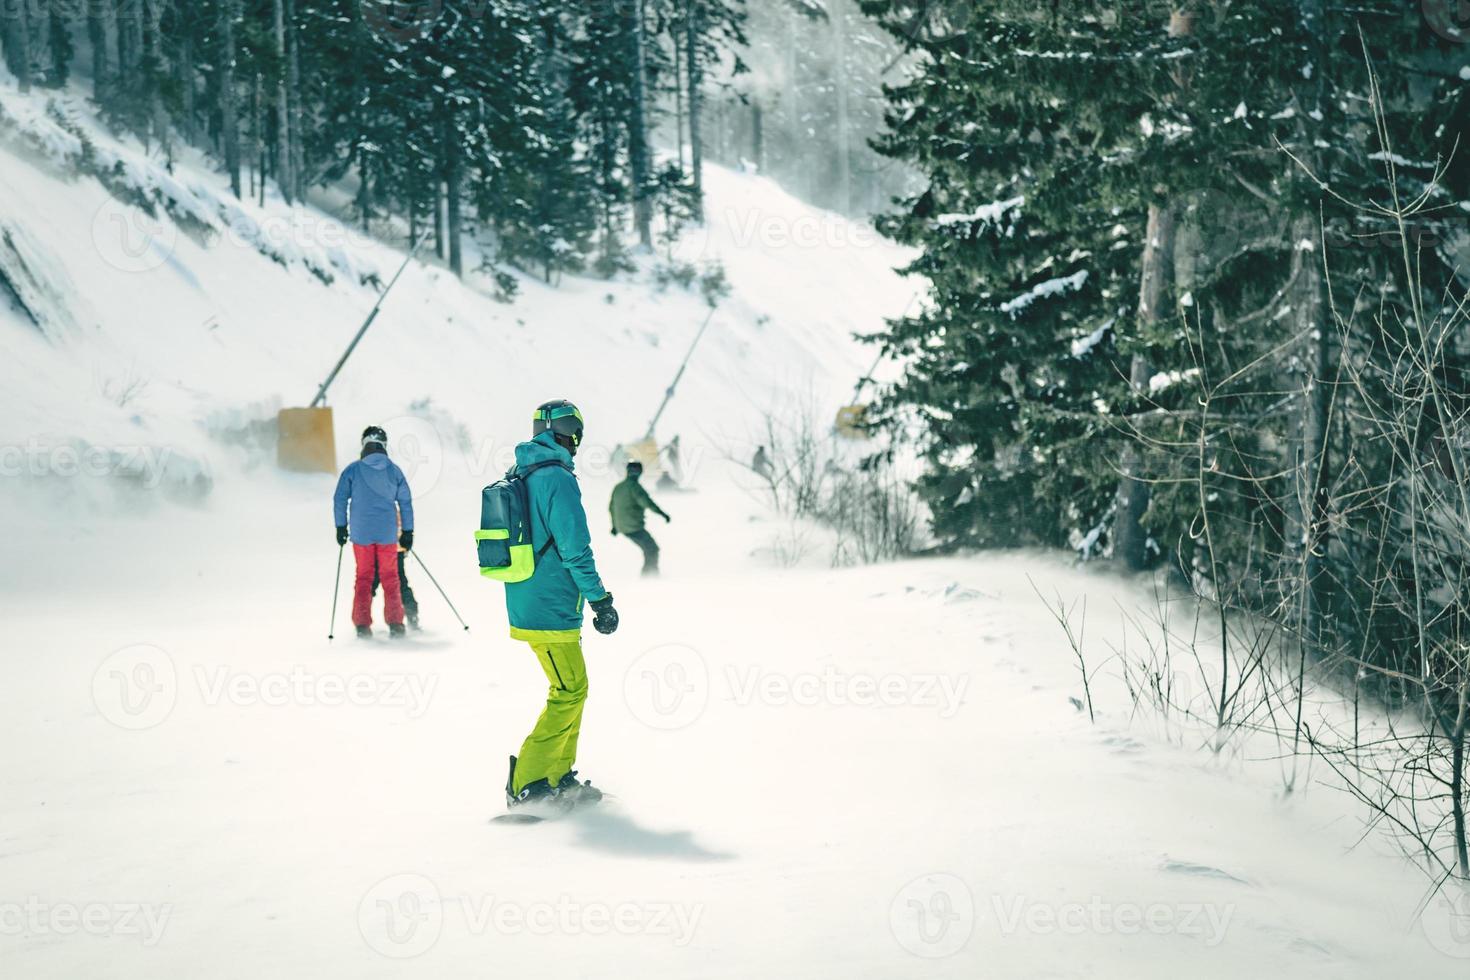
405	540
604	616
615	532
667	518
341	535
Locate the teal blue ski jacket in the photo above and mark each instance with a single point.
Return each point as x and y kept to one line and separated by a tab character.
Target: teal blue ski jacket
548	606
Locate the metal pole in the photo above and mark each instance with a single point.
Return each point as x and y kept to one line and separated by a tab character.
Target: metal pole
867	379
669	394
321	394
336	587
440	588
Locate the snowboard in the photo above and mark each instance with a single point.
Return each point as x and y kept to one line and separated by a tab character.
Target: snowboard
546	814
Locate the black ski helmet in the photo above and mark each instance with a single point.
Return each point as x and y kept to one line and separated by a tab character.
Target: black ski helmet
635	468
375	433
563	420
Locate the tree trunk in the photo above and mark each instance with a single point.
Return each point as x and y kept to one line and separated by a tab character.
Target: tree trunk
184	72
293	95
694	29
838	14
791	166
452	179
229	113
155	65
130	42
439	235
678	94
98	14
1130	542
282	163
757	135
59	48
15	32
638	155
257	136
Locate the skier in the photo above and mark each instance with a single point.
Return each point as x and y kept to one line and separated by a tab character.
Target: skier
629	501
376	492
546	610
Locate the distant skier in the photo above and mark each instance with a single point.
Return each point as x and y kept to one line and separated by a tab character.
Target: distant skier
546	609
673	471
375	492
762	464
628	504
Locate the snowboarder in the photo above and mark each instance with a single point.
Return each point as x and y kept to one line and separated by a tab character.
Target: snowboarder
629	501
376	492
546	610
762	464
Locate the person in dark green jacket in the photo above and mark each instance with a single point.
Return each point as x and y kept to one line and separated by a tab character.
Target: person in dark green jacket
628	504
546	610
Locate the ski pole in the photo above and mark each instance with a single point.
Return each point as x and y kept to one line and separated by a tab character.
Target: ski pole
441	590
336	587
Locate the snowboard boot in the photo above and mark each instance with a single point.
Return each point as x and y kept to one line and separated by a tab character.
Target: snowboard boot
364	632
396	631
537	794
578	793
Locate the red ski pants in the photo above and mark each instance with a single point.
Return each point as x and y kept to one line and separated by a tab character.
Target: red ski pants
382	559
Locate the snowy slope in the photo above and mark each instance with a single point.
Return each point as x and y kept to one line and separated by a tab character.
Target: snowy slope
219	331
871	772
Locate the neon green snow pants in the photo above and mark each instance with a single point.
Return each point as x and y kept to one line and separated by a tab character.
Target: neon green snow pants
551	749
